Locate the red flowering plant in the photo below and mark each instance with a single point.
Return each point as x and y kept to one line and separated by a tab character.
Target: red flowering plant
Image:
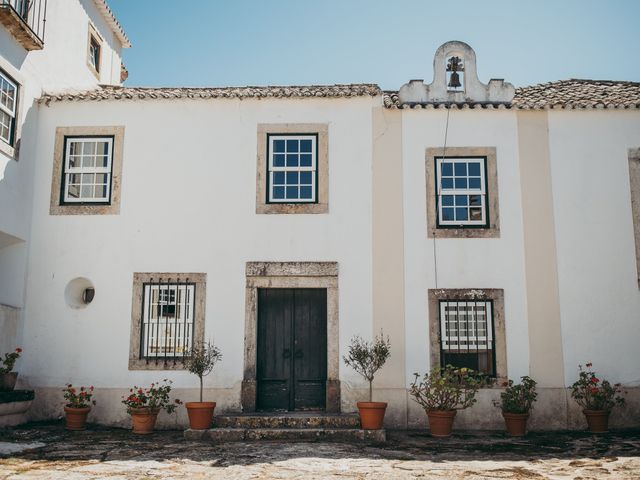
156	397
592	393
10	360
78	397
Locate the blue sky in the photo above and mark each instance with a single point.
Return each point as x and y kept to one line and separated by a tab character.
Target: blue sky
287	42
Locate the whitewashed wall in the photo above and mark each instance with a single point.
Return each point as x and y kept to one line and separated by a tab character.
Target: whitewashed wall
188	205
463	263
599	295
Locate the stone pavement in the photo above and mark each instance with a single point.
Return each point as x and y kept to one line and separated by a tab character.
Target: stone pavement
100	452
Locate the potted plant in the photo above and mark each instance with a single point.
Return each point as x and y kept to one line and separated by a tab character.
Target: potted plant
366	359
8	378
596	397
516	402
200	362
77	407
144	405
442	393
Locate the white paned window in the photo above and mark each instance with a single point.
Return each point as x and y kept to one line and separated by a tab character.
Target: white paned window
461	191
167	320
8	104
466	334
94	53
292	168
87	170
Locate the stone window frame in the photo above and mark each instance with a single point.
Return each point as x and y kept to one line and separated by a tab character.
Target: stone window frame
492	202
97	38
634	184
139	279
57	207
322	168
496	295
291	275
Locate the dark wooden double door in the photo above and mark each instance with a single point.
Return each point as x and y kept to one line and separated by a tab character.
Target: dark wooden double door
292	349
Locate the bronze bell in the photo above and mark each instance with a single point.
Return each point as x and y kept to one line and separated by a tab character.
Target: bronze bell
454	80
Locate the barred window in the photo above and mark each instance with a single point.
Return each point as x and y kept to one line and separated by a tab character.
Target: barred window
8	104
168	314
292	168
467	335
461	192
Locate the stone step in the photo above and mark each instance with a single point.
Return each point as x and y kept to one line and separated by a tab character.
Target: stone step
290	420
297	434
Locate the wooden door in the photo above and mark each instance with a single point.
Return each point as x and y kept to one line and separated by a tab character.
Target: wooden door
291	349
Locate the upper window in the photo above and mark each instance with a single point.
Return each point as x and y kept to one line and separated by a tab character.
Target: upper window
8	107
87	170
292	168
461	192
94	51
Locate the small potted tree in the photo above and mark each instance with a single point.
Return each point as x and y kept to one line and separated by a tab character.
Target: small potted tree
596	397
516	402
366	359
144	405
443	392
8	377
77	407
200	362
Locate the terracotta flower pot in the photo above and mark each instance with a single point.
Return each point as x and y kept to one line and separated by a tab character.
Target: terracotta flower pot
8	381
143	419
76	418
441	422
200	414
516	423
597	420
371	414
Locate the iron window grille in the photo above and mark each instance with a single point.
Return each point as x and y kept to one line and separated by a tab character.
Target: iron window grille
87	170
292	168
8	108
467	336
168	312
461	192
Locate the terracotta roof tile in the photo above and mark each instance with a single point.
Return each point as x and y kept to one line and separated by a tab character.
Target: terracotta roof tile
564	94
139	93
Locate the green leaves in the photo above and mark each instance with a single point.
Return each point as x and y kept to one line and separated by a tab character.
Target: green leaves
447	388
202	359
366	358
518	398
592	393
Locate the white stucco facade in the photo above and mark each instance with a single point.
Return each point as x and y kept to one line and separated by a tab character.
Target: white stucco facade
559	248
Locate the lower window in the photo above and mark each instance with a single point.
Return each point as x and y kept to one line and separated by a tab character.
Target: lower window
87	170
467	329
167	319
466	335
167	325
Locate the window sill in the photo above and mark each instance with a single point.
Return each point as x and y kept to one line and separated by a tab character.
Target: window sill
8	150
292	208
138	364
492	232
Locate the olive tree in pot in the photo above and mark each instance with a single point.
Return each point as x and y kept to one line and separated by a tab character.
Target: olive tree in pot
202	359
443	392
516	402
366	359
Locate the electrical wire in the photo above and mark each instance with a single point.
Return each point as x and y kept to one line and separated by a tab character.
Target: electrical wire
438	197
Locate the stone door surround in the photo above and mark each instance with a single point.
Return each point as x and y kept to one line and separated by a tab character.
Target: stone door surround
290	275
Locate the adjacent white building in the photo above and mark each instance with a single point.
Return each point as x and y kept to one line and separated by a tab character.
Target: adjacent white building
475	224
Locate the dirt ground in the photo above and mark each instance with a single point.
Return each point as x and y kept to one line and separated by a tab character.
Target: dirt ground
47	451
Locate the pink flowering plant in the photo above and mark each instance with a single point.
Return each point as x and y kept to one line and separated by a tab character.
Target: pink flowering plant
156	397
78	397
10	360
593	393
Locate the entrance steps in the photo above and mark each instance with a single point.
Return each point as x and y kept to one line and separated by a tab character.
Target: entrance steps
296	426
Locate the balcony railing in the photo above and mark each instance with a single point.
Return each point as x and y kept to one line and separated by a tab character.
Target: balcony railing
26	20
